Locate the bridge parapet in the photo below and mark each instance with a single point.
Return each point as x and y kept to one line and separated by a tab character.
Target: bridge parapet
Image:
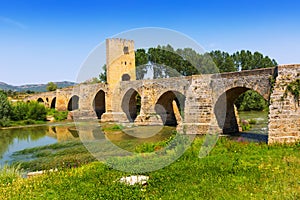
254	72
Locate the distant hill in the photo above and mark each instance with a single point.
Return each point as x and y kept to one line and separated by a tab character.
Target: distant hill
34	87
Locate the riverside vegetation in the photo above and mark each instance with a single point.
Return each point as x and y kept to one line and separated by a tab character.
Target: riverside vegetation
25	113
232	170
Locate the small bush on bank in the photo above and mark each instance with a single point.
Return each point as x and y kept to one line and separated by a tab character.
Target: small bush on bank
19	111
58	115
252	121
5	122
36	111
246	126
28	111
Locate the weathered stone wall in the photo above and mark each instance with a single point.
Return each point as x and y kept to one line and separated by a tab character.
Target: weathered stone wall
47	98
208	99
198	105
284	114
63	96
150	91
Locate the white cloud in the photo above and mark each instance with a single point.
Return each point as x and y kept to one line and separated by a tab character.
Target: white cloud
12	22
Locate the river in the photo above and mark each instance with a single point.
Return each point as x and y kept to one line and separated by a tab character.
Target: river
15	139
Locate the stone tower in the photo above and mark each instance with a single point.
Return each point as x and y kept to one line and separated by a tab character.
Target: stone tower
120	61
120	66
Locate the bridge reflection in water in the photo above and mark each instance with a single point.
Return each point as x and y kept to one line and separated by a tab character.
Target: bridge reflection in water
16	139
110	132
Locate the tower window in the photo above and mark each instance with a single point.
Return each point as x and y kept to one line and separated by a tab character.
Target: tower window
125	77
126	50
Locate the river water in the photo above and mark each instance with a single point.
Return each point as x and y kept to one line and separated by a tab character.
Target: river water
259	130
16	139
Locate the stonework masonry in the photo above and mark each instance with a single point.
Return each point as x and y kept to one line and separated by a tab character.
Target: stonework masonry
284	114
198	104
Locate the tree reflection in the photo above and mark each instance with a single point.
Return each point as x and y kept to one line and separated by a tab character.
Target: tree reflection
9	136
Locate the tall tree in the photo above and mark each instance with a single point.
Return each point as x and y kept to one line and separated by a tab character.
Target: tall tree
245	60
223	61
5	106
103	75
51	86
141	57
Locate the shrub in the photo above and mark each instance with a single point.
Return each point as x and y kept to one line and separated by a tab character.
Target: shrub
29	122
9	174
58	115
36	111
19	111
114	127
28	111
252	121
5	122
5	106
245	125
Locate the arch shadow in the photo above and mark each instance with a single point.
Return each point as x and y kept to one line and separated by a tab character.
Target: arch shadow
53	103
73	103
40	100
131	104
99	103
225	112
167	106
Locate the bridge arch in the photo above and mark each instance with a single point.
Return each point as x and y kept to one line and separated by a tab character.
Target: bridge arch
40	100
73	103
99	103
131	104
53	103
224	109
170	106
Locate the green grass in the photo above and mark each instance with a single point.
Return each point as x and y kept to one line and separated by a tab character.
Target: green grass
232	170
8	174
59	155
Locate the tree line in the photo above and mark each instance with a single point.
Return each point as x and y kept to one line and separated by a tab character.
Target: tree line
166	62
188	62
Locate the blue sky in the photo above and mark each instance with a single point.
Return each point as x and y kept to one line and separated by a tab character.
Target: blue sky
48	40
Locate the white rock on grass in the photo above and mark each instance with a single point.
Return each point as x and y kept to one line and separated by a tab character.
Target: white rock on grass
131	180
31	174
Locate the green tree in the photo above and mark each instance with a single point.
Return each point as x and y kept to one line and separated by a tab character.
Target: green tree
19	111
51	86
5	106
166	57
36	111
141	57
29	92
245	60
223	61
103	75
141	60
251	100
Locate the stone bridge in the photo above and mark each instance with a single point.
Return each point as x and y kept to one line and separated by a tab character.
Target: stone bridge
198	104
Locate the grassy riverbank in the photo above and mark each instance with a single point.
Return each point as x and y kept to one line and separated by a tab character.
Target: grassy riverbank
232	170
